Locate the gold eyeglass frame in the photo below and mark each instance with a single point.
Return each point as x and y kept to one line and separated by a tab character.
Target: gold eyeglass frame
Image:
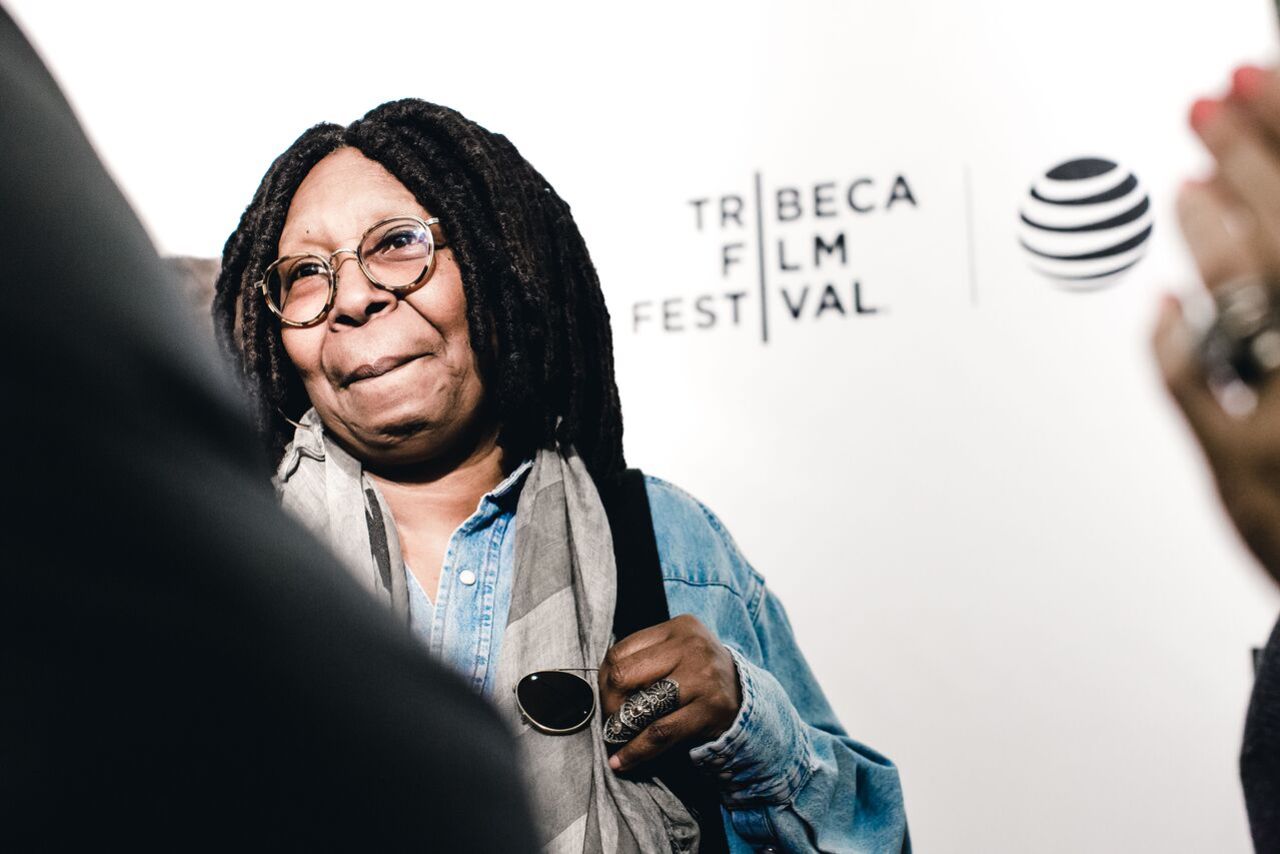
333	270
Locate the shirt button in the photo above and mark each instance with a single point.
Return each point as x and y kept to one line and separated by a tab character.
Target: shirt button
467	577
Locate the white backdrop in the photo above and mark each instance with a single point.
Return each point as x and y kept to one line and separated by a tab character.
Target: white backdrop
995	540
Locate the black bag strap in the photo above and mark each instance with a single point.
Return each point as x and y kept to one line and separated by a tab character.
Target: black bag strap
642	602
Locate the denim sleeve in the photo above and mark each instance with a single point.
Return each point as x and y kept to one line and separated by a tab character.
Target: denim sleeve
790	778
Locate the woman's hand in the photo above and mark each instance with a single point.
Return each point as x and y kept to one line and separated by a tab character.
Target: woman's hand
1238	209
683	650
1231	223
1243	452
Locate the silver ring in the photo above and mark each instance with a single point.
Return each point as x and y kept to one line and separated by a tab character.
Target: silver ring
641	709
615	733
1243	342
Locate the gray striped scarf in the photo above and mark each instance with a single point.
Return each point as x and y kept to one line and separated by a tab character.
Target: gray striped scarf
561	616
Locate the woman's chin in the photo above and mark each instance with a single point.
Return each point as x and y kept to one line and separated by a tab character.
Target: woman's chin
399	441
412	439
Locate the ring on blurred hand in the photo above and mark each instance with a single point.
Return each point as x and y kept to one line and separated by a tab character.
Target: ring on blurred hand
1244	339
641	709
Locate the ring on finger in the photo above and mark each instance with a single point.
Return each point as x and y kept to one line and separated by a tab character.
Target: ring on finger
641	709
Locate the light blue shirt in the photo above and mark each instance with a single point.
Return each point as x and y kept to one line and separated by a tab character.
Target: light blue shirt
790	778
464	623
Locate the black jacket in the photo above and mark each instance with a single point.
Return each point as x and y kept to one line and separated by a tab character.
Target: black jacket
1260	756
181	666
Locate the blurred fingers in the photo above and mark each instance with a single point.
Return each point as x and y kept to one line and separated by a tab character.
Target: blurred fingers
1215	233
1248	167
1256	91
1175	354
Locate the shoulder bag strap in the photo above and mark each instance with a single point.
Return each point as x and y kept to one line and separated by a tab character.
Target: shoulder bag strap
642	602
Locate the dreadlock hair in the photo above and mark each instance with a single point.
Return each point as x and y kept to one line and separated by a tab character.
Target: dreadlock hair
537	317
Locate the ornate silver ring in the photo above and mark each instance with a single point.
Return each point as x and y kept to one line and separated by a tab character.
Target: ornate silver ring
641	709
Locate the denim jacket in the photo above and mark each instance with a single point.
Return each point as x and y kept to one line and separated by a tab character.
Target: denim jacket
790	778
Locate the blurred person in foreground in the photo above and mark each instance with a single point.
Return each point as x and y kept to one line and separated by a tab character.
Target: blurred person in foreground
1231	222
423	332
183	666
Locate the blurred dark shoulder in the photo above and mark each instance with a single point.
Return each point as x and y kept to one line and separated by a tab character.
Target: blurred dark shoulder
195	278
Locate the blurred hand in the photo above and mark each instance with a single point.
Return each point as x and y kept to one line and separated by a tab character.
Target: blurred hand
1243	452
1237	212
682	649
1231	223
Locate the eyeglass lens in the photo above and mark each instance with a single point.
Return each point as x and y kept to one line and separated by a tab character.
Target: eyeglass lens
556	700
395	254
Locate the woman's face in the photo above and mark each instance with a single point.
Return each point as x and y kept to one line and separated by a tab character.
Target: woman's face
394	379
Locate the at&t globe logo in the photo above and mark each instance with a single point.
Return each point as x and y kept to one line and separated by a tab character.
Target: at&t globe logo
1085	223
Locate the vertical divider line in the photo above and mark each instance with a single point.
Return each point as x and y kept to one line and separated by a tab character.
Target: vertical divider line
764	294
968	228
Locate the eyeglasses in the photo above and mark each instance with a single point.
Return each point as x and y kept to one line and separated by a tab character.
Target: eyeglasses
556	702
396	254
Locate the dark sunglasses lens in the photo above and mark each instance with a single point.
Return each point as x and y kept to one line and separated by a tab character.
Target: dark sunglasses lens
556	700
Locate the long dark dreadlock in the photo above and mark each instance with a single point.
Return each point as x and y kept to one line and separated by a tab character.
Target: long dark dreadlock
538	321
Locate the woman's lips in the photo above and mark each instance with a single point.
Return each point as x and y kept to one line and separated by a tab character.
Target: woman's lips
385	365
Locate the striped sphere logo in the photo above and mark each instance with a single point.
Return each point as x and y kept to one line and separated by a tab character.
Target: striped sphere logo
1085	223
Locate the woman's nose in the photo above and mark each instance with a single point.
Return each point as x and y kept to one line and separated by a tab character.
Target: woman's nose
357	299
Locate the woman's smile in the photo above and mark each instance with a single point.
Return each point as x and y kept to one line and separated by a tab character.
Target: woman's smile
379	368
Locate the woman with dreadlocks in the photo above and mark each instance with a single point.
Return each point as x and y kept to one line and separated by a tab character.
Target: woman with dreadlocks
423	334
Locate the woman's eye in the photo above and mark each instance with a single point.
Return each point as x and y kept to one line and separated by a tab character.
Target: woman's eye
401	242
304	271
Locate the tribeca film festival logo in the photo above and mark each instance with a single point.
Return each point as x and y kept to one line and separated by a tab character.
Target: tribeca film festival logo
783	256
788	255
1085	223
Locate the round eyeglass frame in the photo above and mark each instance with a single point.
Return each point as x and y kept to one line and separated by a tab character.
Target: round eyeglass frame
333	275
